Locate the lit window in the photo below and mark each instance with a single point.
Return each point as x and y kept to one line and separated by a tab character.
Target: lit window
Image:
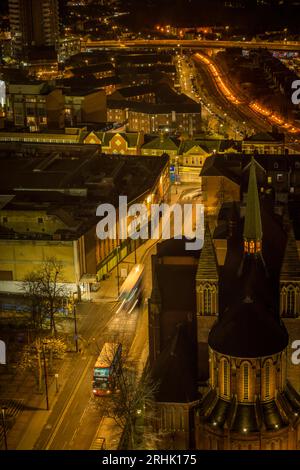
207	301
279	177
291	300
225	378
267	380
246	381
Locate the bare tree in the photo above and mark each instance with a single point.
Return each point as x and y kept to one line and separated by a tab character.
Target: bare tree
32	288
31	357
132	403
46	291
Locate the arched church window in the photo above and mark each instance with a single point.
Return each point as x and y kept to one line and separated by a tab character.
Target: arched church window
225	378
267	379
291	300
246	381
207	300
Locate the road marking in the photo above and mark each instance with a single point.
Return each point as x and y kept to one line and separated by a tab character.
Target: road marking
57	426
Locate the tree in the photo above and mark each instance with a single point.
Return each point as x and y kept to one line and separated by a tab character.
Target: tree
32	288
52	289
132	405
31	357
46	292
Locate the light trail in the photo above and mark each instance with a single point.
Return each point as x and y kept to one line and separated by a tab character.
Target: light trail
270	116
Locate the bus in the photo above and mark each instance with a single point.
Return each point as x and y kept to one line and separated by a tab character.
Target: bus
132	289
106	369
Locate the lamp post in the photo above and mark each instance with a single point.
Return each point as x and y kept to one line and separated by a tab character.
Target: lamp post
4	427
45	375
56	383
75	327
135	257
118	274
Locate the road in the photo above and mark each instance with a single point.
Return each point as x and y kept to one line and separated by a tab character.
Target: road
215	87
191	43
222	116
75	416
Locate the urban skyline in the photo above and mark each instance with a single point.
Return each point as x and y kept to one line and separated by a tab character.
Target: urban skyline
149	226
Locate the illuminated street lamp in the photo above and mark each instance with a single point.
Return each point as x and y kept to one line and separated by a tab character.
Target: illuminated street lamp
118	274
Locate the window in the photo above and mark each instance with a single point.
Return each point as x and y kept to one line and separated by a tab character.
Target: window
290	300
207	301
226	378
6	276
267	380
4	220
246	382
279	177
40	220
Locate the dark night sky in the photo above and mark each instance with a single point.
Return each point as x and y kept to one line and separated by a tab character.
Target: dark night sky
273	15
213	12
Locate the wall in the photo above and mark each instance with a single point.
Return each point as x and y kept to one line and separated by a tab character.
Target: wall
23	256
94	107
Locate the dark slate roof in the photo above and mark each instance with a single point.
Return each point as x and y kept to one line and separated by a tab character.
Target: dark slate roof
175	370
248	330
132	91
90	69
252	225
290	269
175	247
250	417
265	137
164	143
208	145
207	267
220	165
177	288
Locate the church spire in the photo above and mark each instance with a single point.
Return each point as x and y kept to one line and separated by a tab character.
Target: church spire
252	226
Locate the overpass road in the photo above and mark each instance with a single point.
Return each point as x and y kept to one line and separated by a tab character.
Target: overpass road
192	43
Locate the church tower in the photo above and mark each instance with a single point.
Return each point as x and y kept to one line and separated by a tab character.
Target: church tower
252	226
207	279
207	288
290	280
249	404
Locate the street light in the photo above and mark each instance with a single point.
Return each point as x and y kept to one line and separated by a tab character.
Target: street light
4	426
118	275
45	375
75	327
56	383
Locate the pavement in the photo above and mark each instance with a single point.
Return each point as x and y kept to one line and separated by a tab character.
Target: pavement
72	422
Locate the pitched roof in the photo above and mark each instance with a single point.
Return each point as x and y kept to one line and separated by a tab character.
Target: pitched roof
175	370
265	137
290	268
248	329
219	165
165	143
207	266
130	137
252	225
